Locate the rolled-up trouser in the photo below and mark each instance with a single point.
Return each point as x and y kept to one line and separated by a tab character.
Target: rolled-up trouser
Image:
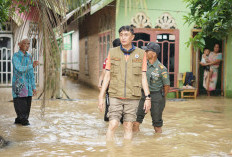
157	107
123	107
22	107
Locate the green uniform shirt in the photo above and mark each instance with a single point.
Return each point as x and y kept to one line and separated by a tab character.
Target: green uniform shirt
157	76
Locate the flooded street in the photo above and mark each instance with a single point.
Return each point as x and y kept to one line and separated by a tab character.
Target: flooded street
201	127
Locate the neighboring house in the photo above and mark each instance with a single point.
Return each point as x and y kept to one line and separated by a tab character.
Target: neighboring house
18	26
70	50
162	21
70	53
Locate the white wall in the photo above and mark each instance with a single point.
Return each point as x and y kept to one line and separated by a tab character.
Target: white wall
73	55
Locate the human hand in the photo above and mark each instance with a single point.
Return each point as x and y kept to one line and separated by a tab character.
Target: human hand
35	63
100	104
147	105
34	92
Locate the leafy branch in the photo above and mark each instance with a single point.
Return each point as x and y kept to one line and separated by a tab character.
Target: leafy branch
214	17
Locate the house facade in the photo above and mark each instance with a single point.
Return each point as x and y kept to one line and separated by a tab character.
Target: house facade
159	21
96	33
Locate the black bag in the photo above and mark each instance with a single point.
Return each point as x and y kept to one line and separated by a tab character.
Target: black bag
107	107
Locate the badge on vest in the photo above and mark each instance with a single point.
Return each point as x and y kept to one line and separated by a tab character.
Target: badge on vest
136	56
155	74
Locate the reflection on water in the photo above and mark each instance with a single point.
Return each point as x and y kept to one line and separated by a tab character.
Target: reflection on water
201	127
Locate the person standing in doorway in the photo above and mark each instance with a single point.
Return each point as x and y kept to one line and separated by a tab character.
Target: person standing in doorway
126	71
215	58
23	82
159	84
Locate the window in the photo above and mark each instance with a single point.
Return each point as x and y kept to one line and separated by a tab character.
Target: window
86	57
167	55
104	46
5	59
68	42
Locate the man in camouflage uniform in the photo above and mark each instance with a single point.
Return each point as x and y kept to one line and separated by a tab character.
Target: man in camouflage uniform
159	83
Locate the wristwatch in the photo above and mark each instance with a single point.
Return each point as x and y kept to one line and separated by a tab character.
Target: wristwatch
148	96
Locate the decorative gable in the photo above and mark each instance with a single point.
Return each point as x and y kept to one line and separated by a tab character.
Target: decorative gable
166	21
140	20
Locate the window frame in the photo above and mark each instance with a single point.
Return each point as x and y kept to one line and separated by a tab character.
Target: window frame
104	47
153	32
9	82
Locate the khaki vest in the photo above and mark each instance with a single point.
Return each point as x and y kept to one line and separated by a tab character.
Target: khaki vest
126	77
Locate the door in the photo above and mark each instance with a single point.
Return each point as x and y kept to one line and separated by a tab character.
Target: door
168	39
6	52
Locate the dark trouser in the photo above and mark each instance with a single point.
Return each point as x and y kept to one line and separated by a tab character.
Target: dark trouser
107	106
22	108
157	107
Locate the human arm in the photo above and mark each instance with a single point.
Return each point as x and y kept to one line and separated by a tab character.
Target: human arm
18	65
105	84
34	92
203	64
101	79
203	61
166	89
147	103
216	61
166	81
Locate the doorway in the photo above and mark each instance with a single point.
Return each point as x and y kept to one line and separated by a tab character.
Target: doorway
198	70
168	39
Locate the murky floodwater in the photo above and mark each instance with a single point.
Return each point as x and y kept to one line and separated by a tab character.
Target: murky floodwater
201	127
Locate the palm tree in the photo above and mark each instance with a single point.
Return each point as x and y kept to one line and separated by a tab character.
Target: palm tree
52	23
50	18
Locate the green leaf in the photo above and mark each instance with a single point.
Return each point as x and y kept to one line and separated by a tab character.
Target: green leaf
213	16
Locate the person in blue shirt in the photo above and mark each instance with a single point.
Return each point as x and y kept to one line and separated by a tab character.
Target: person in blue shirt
23	82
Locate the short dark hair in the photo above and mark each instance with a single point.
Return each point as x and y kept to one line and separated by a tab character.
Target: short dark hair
217	44
116	42
126	28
